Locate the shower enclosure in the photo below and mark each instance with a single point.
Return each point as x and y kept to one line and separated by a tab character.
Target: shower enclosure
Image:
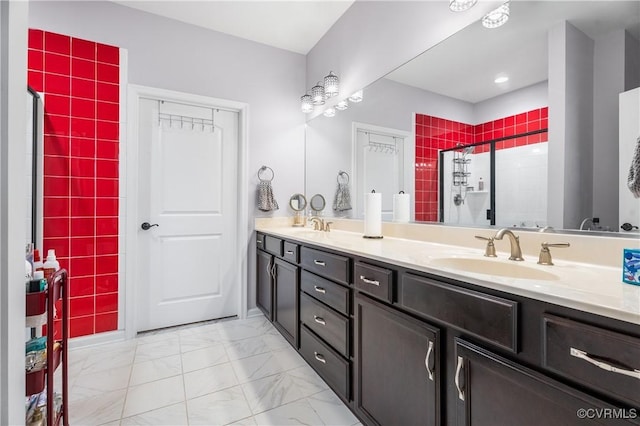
499	182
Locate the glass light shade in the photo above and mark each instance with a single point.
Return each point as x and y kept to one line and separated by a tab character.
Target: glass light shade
342	105
461	5
496	17
329	112
306	103
356	97
317	94
331	85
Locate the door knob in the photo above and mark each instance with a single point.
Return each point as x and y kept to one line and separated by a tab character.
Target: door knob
146	226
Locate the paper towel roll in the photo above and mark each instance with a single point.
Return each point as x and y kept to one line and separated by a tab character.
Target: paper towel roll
401	207
373	214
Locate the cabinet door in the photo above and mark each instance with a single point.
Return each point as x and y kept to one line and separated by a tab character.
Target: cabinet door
495	391
264	284
397	361
286	287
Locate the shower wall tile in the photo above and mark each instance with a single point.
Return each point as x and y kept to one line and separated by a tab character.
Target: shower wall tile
80	81
435	133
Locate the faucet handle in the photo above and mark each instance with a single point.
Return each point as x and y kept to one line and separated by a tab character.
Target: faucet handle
490	250
545	253
326	226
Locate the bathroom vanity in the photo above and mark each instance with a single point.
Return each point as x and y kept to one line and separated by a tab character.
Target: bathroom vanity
406	337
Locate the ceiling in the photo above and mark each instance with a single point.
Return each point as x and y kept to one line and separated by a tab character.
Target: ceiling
295	25
465	65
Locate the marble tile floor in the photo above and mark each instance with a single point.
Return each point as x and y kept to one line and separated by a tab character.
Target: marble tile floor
239	372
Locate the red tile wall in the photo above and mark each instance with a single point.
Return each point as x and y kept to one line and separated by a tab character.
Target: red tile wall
80	82
434	134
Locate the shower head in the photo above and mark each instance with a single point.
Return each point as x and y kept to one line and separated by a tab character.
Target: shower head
468	150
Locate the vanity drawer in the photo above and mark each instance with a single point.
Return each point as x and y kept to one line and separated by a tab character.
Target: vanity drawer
331	326
260	241
325	264
374	280
334	369
273	245
334	295
291	251
585	353
487	317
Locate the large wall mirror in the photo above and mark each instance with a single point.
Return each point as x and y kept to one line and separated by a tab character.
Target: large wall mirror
540	148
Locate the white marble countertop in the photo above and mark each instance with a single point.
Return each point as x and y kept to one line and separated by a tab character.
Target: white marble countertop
590	288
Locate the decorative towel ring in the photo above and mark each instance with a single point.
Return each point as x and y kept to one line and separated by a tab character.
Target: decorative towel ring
344	175
262	169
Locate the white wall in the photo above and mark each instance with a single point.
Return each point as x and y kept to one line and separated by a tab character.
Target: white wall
372	38
169	54
629	133
532	97
570	140
13	87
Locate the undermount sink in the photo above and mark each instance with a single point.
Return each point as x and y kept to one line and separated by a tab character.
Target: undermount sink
494	267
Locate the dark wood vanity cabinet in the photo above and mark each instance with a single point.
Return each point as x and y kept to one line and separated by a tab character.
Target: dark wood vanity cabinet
397	367
492	390
404	347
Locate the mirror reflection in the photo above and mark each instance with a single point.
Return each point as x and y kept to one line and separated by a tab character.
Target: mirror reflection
529	109
317	204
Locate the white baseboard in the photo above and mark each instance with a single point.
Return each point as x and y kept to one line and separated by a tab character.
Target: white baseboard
96	339
254	312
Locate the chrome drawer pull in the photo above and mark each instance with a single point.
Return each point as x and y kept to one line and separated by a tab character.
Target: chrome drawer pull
368	281
259	241
457	380
319	289
319	262
600	364
320	357
289	251
319	320
427	358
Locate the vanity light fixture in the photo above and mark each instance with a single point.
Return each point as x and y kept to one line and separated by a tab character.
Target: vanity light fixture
331	85
356	97
501	79
317	94
306	103
461	5
496	17
329	112
342	105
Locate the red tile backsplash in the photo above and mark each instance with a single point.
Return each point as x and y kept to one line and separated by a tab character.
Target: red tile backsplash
434	134
80	81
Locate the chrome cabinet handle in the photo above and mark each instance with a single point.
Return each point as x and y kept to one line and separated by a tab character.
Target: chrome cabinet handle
273	271
427	358
269	268
319	357
368	281
319	320
259	241
457	380
289	252
319	289
319	262
600	364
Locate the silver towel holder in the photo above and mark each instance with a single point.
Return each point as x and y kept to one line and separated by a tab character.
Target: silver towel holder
344	175
263	169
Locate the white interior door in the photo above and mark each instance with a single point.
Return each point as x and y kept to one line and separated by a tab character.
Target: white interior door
188	187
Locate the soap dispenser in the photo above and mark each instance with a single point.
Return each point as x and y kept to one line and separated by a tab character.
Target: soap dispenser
480	185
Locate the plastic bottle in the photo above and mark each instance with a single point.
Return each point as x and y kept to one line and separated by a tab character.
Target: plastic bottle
38	283
38	265
481	185
51	265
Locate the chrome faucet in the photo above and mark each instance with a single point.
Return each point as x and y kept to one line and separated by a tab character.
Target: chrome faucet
516	252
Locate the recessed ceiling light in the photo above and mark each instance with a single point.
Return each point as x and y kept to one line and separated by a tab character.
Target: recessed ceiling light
461	5
501	79
496	17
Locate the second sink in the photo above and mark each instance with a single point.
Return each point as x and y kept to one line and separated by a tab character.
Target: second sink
494	267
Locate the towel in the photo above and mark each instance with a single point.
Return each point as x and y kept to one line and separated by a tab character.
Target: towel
633	181
342	199
266	201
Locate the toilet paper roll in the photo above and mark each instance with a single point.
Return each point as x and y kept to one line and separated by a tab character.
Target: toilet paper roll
401	207
373	215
